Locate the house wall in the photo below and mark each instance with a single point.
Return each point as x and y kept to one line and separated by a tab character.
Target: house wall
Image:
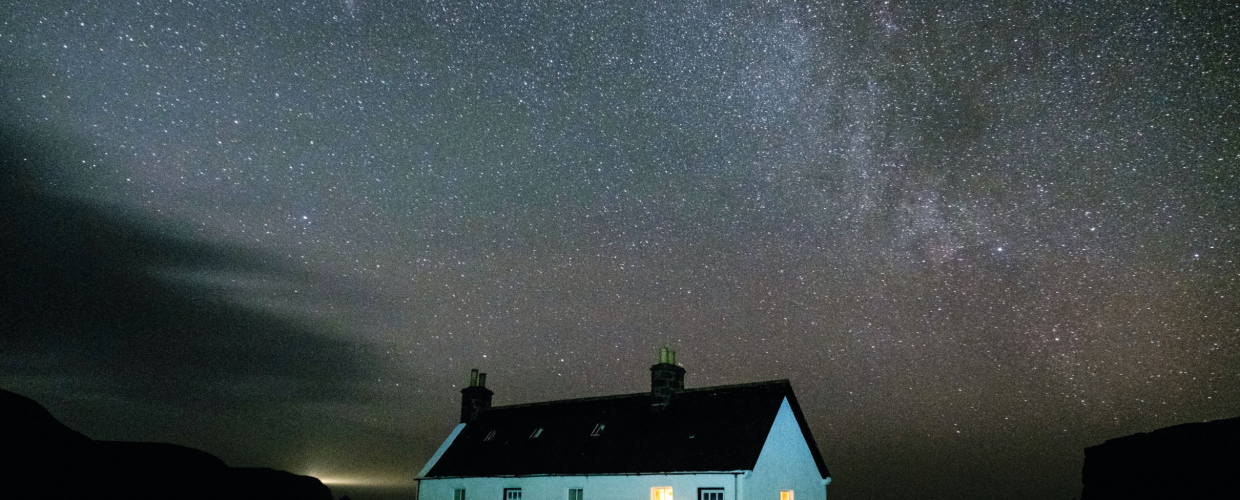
784	464
637	487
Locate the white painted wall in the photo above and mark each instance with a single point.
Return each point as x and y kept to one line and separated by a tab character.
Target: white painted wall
684	487
784	464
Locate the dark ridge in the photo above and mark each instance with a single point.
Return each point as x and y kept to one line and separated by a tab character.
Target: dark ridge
43	458
1194	460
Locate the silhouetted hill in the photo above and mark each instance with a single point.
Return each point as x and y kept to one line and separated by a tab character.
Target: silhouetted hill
43	458
40	453
32	419
1195	460
162	470
270	484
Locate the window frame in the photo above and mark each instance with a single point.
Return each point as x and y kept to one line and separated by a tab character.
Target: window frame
581	493
654	492
710	490
458	494
518	490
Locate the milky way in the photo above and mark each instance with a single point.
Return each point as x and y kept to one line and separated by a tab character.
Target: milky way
976	238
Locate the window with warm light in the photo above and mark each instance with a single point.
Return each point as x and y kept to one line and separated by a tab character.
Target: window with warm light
661	493
458	494
785	495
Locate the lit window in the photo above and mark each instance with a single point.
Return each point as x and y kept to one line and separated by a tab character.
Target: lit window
710	493
537	432
576	494
458	494
512	493
490	436
785	495
661	493
598	430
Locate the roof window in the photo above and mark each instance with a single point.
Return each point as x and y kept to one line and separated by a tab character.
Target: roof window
490	436
537	432
598	429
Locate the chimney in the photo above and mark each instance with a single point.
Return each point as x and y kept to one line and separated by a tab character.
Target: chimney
665	379
476	397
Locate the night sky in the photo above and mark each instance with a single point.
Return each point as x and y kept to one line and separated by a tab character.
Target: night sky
976	238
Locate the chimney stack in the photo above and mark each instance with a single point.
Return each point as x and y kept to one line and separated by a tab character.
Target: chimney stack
665	379
476	397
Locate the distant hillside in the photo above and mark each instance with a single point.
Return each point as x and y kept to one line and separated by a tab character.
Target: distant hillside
1194	460
43	458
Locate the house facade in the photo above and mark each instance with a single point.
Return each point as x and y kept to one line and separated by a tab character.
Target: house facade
735	442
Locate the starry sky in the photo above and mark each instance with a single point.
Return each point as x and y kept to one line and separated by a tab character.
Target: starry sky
976	237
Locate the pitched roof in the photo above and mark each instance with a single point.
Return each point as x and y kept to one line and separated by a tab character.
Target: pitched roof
719	428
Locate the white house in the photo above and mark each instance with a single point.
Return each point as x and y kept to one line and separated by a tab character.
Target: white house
732	442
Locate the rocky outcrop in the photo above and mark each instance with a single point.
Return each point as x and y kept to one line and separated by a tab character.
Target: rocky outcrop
1196	460
42	458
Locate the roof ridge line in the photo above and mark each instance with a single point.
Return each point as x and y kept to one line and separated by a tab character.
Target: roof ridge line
737	386
590	398
636	394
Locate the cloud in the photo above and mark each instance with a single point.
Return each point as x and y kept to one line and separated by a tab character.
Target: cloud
108	308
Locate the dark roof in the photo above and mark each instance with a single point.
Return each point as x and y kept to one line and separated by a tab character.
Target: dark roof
709	429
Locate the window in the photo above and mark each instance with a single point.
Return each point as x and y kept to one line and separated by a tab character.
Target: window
576	494
537	432
490	436
598	429
512	493
458	494
710	493
661	493
785	495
